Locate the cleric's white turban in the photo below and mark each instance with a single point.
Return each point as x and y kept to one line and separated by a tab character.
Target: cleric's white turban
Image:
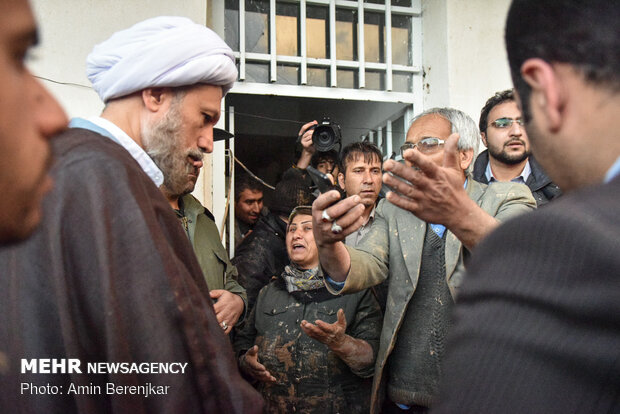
163	51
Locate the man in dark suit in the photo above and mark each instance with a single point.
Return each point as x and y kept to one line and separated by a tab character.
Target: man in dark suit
538	319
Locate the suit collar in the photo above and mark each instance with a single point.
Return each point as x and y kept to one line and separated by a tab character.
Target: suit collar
480	166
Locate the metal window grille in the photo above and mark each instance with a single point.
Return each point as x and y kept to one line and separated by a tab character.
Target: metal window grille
256	29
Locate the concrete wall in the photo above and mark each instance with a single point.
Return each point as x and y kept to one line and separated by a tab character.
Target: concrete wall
464	56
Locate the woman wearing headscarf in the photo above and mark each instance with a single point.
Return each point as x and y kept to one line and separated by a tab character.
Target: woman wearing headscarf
308	350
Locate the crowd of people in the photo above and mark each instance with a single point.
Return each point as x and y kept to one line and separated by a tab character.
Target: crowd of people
473	286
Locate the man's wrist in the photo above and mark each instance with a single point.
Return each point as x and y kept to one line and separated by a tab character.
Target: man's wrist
339	344
338	286
241	317
466	210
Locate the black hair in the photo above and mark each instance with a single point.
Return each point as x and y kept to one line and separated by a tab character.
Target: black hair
245	182
352	151
499	98
327	155
584	34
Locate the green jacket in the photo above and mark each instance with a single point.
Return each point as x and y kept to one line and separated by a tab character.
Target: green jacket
393	248
212	256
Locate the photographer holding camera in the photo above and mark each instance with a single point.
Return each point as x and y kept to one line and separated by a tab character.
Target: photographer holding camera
318	141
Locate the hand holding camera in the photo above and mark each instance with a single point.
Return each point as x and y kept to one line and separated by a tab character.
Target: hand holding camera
326	135
305	136
314	136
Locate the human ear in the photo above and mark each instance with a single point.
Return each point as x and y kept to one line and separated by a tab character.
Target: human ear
465	158
156	99
546	96
341	180
483	136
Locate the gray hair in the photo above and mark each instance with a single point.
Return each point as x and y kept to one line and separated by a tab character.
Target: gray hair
463	125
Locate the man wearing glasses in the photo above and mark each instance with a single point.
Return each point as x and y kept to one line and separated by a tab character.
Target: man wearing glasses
508	157
421	254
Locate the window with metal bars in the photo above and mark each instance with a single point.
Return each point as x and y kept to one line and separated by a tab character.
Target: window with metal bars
372	45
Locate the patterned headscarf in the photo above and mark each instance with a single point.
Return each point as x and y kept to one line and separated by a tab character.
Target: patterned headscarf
301	279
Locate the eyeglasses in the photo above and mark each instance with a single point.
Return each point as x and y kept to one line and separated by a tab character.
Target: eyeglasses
506	122
426	146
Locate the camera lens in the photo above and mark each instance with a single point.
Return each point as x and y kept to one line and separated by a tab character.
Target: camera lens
326	136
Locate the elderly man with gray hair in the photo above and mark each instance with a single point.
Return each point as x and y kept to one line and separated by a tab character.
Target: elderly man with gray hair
423	259
109	287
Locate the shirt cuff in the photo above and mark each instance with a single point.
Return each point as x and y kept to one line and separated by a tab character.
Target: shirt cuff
335	285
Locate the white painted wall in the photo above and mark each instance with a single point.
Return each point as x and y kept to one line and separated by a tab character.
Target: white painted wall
70	29
464	55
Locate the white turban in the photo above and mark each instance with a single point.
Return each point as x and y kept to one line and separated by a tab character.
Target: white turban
163	51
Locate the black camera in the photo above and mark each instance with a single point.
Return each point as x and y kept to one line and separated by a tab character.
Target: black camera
326	135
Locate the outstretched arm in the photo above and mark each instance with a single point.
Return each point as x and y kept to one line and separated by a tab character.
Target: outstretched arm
347	213
356	353
435	193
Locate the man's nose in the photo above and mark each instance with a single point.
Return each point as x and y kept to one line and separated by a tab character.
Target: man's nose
205	140
367	177
516	129
50	118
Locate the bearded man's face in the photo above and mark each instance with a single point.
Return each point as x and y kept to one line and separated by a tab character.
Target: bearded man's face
164	142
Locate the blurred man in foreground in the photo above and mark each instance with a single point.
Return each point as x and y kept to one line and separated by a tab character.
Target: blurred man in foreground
538	320
29	116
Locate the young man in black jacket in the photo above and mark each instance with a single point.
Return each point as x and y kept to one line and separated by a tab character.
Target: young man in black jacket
508	154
